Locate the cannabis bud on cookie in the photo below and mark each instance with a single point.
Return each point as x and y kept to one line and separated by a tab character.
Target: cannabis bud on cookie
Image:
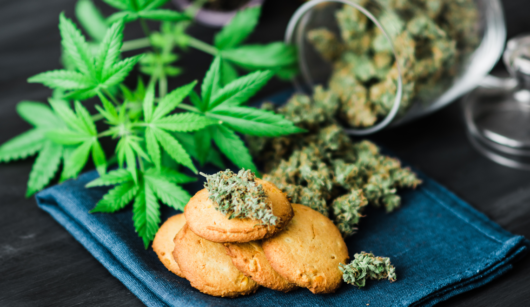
239	196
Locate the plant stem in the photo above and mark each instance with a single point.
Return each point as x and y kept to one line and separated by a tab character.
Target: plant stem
97	117
162	85
136	44
109	94
188	108
145	28
202	46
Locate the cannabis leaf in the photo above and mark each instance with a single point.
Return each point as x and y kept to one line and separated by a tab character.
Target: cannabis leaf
277	56
225	105
91	19
158	123
92	74
159	65
80	135
146	9
152	186
30	142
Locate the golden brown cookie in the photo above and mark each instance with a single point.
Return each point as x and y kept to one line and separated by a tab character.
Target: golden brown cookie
204	220
308	252
250	259
163	243
208	268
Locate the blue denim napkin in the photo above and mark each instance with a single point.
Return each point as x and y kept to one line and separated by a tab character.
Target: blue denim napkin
439	245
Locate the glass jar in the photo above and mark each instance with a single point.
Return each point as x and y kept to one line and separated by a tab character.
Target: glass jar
390	61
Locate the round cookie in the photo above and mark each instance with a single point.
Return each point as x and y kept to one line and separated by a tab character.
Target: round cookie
163	243
208	268
250	259
204	220
308	252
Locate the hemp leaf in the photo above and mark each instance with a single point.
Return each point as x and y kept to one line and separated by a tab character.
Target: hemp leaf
34	141
152	186
93	74
91	19
158	123
146	9
225	105
80	135
279	57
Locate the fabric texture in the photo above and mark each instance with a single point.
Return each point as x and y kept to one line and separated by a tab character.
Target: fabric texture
439	245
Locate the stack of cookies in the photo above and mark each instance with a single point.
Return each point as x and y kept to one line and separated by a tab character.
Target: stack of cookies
232	257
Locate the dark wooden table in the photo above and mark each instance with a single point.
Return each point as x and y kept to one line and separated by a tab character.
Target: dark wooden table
42	265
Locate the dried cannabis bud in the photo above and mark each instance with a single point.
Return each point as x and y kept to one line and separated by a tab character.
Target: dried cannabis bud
324	170
239	196
367	266
432	38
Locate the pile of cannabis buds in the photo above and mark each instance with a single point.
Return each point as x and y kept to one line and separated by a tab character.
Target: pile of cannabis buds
432	39
324	169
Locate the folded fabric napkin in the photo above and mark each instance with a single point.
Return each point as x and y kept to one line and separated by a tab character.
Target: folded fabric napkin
439	245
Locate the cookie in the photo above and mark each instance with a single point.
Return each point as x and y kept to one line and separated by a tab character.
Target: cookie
204	220
308	252
250	259
163	243
208	268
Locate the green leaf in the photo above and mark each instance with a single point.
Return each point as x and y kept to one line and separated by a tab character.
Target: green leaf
203	142
109	50
168	192
108	111
153	4
22	146
239	28
44	168
62	109
120	71
255	122
149	102
38	114
125	154
274	56
174	149
122	16
118	4
67	137
146	214
98	156
233	148
211	83
81	94
172	100
163	15
152	147
241	90
197	101
91	19
215	158
85	119
62	79
76	161
183	122
111	178
171	175
75	46
228	73
117	198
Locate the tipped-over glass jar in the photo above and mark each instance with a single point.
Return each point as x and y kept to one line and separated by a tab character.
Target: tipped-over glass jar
390	61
